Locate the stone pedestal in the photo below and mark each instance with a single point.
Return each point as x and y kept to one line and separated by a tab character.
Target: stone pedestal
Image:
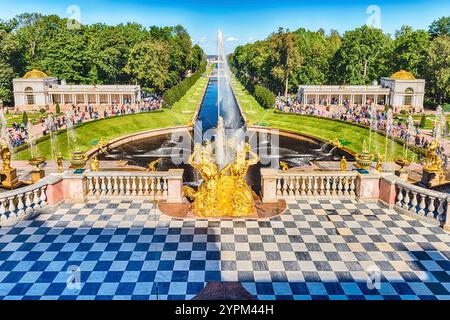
431	179
269	185
175	186
402	174
10	180
37	175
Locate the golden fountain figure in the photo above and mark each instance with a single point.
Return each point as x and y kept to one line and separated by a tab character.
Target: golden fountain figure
95	164
343	164
284	166
9	174
59	163
433	169
5	154
380	163
151	167
224	193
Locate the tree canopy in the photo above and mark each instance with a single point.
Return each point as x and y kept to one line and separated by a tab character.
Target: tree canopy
157	58
359	56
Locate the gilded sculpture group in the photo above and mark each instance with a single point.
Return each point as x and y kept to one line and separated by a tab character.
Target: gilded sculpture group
223	192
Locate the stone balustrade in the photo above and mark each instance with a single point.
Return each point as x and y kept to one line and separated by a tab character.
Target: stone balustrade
165	185
421	203
19	204
318	185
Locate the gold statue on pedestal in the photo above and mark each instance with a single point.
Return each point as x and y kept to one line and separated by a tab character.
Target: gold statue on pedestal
380	163
343	164
9	175
59	163
5	154
224	193
433	162
433	172
95	164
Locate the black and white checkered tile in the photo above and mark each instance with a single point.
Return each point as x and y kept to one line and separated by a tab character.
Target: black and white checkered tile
317	250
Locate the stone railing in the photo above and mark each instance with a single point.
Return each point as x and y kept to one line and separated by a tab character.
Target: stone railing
17	205
164	185
288	185
415	201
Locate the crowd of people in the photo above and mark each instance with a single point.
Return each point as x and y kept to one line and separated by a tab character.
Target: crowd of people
361	114
18	134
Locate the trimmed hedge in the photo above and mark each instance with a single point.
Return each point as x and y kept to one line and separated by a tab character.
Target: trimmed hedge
264	96
177	92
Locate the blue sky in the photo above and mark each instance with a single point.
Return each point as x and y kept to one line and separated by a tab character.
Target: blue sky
241	21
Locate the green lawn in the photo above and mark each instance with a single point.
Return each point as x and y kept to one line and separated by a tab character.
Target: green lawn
181	114
322	128
34	118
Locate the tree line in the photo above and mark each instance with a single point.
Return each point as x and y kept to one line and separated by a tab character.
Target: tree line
287	59
157	58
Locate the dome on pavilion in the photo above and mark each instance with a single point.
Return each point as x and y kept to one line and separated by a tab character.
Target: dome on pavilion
35	74
403	75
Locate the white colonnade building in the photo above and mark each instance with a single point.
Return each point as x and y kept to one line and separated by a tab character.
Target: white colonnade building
401	91
36	90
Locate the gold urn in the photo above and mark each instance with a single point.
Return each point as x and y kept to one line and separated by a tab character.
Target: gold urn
78	159
402	162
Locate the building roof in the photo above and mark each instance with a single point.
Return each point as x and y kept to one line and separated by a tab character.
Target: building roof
403	75
35	74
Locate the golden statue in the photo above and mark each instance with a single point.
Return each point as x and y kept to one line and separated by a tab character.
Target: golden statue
433	162
5	154
224	193
380	163
235	195
151	167
284	166
95	164
343	164
59	163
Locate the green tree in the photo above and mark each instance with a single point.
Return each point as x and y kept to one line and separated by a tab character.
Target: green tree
440	27
362	57
437	69
148	64
410	50
25	118
285	58
423	121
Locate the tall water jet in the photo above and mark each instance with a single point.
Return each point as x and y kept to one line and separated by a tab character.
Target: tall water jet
4	129
410	130
71	138
49	122
31	139
389	129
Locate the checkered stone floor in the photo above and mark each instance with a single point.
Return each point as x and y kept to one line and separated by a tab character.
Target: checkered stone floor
317	250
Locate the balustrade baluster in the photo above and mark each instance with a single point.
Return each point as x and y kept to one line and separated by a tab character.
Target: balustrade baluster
310	188
28	202
36	200
315	186
441	210
431	207
422	204
414	202
43	197
90	185
20	206
303	187
109	185
3	216
406	200
399	202
339	190
165	187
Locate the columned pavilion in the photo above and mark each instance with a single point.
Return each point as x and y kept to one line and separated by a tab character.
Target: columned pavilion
401	91
37	90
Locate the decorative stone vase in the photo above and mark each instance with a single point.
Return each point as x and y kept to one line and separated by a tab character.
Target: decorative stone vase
78	159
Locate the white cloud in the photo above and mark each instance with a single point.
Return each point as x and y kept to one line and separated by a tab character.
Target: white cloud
203	39
231	39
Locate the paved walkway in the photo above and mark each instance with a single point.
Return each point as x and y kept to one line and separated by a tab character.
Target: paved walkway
317	250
